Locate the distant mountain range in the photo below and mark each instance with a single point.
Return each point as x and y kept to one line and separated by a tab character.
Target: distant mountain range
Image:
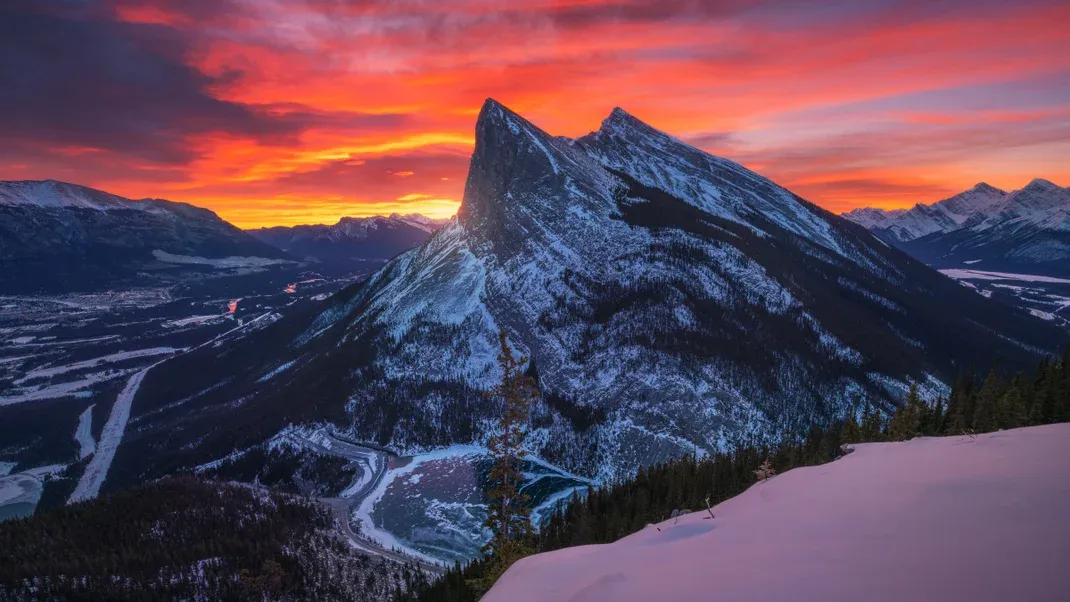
984	228
60	237
57	237
353	239
670	302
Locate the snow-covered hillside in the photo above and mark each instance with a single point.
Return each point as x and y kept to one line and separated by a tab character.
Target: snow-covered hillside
53	194
955	518
1027	230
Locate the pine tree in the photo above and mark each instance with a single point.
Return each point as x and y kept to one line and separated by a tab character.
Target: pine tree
871	425
986	413
508	514
1010	409
907	418
765	471
851	432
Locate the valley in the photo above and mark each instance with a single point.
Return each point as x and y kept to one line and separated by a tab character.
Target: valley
70	363
1046	297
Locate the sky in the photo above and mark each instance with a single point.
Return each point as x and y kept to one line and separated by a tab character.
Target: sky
279	112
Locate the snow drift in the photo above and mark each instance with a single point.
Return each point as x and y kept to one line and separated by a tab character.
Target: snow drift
954	518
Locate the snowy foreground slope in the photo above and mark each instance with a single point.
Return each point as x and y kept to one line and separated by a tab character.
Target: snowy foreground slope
953	518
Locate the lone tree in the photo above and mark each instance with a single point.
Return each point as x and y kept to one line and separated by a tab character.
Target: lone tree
765	471
508	514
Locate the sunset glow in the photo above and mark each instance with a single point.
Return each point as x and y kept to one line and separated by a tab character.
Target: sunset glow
286	112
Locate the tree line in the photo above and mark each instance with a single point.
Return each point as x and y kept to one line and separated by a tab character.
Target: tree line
974	405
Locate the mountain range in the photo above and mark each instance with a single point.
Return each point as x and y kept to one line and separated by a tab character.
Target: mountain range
669	302
985	228
60	237
57	237
353	239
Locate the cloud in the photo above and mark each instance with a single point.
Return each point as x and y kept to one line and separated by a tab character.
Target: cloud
308	109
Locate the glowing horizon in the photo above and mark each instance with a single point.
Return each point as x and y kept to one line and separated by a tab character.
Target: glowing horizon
304	112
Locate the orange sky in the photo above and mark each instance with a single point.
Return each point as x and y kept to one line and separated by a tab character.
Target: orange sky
307	110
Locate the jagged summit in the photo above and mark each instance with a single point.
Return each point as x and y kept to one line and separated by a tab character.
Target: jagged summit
494	115
986	187
510	155
1042	184
620	121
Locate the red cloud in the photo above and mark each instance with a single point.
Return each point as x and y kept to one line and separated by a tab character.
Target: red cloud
305	111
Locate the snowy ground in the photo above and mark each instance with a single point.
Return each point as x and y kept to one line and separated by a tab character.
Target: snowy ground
20	492
18	495
97	470
225	262
1045	297
955	518
84	433
980	275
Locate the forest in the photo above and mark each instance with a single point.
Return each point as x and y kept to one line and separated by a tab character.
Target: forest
975	405
190	539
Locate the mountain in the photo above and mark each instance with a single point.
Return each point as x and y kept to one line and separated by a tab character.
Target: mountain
1025	231
60	237
945	511
352	239
671	302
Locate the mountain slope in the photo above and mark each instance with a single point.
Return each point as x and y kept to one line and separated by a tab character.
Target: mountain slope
671	302
352	239
1025	231
966	519
58	237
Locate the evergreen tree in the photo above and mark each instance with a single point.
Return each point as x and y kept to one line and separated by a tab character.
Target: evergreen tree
765	471
851	432
508	514
985	416
907	419
1010	409
871	425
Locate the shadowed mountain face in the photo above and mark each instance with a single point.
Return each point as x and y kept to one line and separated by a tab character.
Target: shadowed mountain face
353	241
670	301
1025	231
59	237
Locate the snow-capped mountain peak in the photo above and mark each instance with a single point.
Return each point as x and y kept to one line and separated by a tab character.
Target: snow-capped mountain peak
427	224
1039	196
1027	230
873	217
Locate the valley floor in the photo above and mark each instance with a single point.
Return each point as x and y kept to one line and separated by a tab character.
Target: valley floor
953	518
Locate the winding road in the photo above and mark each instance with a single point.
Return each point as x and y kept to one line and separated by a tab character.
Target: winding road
374	464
